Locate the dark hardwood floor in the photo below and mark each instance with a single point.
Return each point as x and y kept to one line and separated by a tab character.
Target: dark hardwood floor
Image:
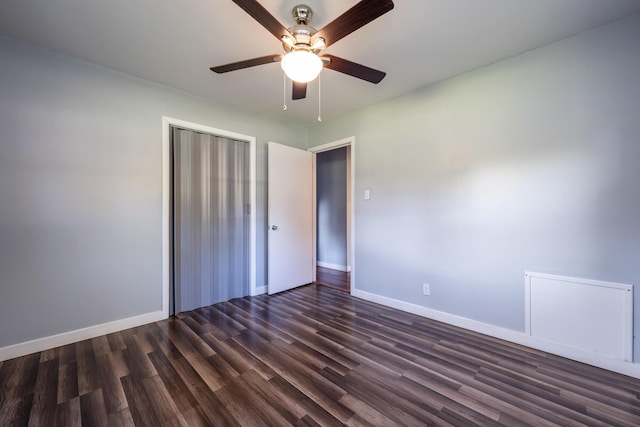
307	357
333	278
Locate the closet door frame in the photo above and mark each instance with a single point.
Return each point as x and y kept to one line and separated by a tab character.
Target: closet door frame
167	122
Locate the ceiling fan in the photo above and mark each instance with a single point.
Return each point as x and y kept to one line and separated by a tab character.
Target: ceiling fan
302	43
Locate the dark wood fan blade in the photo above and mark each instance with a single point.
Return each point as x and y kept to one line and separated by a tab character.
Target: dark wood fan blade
353	69
358	16
260	14
299	90
246	64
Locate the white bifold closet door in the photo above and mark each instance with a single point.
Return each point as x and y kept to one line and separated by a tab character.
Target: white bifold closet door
211	219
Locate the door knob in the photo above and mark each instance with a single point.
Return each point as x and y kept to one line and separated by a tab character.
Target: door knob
274	227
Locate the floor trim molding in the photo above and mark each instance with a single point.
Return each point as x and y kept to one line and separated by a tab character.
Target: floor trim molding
41	344
615	365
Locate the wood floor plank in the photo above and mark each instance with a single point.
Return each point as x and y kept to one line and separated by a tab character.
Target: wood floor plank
311	356
224	322
67	381
262	327
309	382
307	422
324	347
378	395
210	404
188	342
119	363
119	419
300	404
174	383
18	377
195	417
237	357
16	410
143	409
613	394
449	409
141	338
67	354
45	397
92	410
161	401
101	345
116	341
114	397
138	364
450	392
68	413
363	413
87	370
49	354
263	410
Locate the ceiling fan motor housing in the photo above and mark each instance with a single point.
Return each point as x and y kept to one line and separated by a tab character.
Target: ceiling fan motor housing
302	35
302	32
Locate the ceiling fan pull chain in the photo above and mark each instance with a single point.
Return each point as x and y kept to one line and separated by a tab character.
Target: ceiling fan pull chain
284	92
319	98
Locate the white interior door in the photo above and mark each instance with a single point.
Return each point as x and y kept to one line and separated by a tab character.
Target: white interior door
290	215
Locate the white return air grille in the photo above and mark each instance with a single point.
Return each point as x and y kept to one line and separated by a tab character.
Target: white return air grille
586	314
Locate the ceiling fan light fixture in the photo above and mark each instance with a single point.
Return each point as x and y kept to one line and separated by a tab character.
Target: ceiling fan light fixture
318	43
288	41
301	66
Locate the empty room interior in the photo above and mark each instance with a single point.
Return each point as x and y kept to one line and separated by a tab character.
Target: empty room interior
363	213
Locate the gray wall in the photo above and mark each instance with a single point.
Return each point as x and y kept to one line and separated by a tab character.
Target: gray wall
331	206
528	164
80	189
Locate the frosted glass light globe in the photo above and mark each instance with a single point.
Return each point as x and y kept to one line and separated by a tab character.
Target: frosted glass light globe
301	66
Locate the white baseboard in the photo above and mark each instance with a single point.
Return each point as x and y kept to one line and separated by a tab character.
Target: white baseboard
615	365
338	267
41	344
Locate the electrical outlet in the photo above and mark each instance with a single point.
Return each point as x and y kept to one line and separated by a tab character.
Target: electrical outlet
426	289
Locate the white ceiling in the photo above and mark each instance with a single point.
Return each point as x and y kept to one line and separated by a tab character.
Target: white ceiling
418	43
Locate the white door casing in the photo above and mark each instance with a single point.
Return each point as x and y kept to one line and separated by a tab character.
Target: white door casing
290	216
351	158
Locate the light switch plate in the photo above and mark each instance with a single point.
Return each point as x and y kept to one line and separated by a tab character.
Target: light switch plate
426	289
